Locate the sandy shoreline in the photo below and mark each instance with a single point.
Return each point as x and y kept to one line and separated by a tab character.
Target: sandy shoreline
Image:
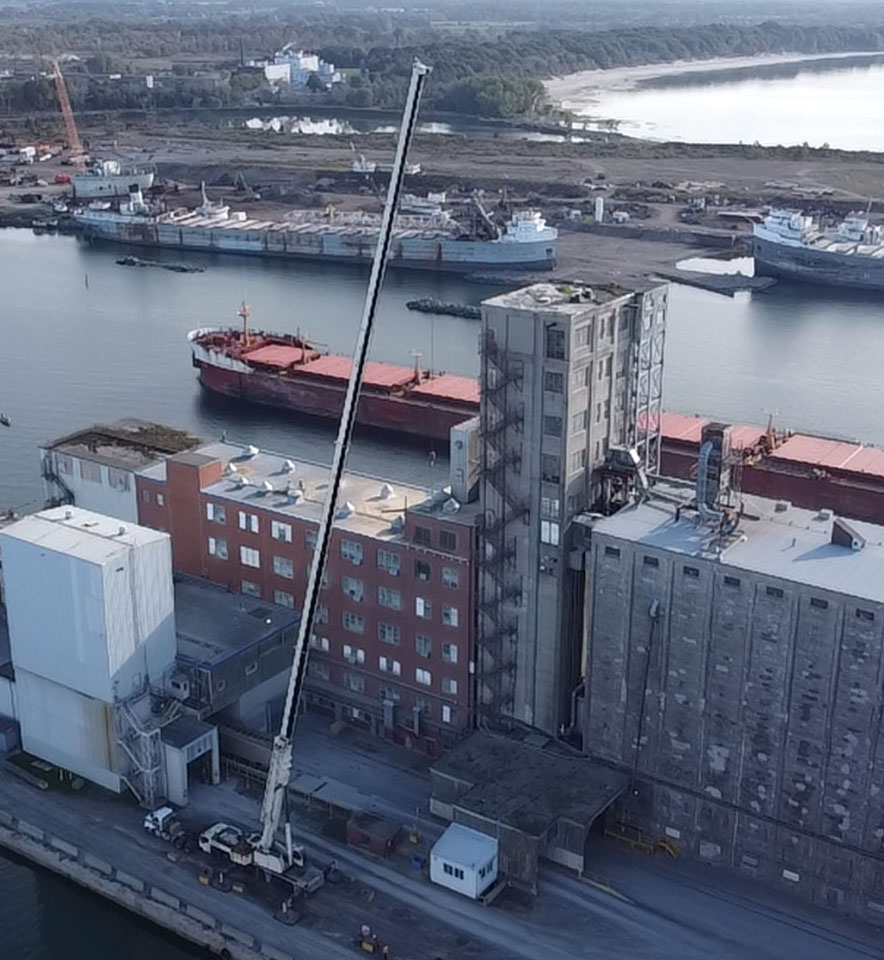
580	90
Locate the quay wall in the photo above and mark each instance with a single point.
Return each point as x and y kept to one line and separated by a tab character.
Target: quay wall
141	897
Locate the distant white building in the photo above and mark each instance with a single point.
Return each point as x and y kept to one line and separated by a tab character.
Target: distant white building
464	860
295	67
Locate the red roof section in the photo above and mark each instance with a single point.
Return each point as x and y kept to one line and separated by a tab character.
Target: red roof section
384	375
832	454
684	429
447	386
279	355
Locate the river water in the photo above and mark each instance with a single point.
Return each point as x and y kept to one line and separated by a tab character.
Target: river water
83	339
835	101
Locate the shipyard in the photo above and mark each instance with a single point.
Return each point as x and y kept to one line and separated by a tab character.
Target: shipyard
464	542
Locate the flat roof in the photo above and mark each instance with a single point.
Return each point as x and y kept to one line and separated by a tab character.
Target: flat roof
213	623
127	444
515	781
790	543
80	533
465	846
297	489
182	732
562	297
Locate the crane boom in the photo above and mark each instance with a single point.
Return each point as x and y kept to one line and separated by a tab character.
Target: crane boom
70	123
279	771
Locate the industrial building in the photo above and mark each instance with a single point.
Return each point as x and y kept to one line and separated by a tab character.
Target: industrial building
570	375
393	650
734	664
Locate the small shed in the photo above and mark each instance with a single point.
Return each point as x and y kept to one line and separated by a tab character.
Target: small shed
464	860
373	833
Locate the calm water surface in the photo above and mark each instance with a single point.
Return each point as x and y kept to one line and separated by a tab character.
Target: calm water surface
817	102
82	339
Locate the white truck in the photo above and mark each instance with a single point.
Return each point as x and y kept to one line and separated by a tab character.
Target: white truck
164	823
285	862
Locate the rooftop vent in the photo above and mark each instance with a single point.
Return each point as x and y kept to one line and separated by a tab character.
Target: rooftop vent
386	491
231	467
267	486
824	515
782	506
241	481
120	531
398	524
288	466
301	485
68	514
345	510
450	506
297	496
845	536
251	451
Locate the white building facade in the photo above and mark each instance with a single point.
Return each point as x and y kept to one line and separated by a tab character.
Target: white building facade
464	860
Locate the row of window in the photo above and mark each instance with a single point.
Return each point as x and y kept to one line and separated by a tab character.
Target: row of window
555	336
356	681
118	479
390	633
423	609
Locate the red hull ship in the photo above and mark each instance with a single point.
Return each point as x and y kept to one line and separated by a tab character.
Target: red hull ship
284	371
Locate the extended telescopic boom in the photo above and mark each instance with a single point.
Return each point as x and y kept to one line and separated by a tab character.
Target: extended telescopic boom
281	757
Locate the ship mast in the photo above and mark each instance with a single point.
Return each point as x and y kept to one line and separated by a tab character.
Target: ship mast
244	313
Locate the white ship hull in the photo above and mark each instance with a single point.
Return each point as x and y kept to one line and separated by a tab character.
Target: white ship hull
90	187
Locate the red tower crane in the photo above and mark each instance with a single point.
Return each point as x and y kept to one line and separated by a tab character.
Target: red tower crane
70	124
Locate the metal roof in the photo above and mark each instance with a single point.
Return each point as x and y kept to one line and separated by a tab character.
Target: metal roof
789	544
447	386
280	355
182	732
832	454
386	375
465	846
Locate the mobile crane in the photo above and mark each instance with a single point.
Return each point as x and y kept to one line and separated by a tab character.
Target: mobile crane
262	850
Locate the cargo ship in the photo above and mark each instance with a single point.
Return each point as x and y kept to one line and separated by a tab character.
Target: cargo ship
109	178
794	246
439	241
289	373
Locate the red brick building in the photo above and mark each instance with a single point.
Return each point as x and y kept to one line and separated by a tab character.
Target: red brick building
394	649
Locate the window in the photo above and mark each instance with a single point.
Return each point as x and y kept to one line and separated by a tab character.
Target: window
598	413
449	652
283	567
449	615
552	426
389	598
732	581
319	643
450	577
118	479
550	468
449	686
690	571
577	461
422	570
423	536
423	608
389	561
549	532
389	633
390	693
650	561
217	548
353	622
580	378
352	551
355	589
354	682
446	714
161	500
555	343
322	614
250	588
216	513
581	335
319	670
90	471
819	604
353	654
249	557
310	539
612	551
865	614
281	531
775	592
386	665
423	645
578	421
554	382
423	677
549	508
64	464
447	540
248	521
